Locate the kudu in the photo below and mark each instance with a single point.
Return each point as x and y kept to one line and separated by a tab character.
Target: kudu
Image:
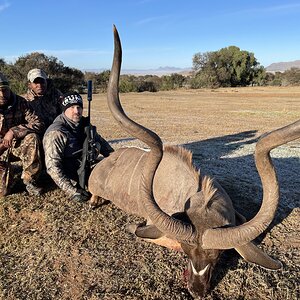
184	210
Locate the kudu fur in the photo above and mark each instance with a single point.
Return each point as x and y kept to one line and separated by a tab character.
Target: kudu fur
184	210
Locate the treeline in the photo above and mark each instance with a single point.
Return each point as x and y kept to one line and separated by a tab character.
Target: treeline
64	78
131	83
227	67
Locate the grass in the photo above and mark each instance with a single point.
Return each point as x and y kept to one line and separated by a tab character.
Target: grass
53	248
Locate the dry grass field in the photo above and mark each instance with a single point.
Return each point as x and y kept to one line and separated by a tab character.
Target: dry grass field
52	248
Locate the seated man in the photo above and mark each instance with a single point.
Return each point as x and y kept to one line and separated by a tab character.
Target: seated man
19	129
63	144
43	96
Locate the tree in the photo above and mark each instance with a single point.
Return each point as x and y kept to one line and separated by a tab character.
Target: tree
2	63
171	82
65	78
69	79
274	79
227	67
102	80
200	60
291	77
14	77
50	64
127	84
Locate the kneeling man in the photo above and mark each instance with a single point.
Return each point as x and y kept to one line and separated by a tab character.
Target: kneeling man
63	144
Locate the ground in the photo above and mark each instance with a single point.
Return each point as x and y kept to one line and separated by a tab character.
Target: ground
53	248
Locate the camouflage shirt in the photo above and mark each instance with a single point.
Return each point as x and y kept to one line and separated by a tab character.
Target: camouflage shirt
20	118
62	143
48	106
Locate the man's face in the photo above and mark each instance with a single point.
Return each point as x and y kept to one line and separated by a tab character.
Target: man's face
4	95
74	113
39	86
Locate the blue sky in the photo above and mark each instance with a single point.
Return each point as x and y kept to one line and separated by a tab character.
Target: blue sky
154	33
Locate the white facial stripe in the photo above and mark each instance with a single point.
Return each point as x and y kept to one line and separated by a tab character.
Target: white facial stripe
204	270
201	272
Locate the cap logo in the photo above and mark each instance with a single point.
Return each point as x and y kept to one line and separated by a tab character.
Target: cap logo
72	99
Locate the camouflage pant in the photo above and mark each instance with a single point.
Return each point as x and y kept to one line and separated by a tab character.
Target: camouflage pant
28	151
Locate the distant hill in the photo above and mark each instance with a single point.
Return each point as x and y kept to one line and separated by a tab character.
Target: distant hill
283	66
140	72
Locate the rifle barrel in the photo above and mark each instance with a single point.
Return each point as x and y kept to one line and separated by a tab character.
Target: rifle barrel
90	90
89	97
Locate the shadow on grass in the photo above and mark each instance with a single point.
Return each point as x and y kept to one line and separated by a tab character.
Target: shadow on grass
238	175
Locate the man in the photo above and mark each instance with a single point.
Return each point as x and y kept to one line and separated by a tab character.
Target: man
63	142
43	96
19	129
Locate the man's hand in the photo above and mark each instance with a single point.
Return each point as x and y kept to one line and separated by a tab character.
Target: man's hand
81	196
8	138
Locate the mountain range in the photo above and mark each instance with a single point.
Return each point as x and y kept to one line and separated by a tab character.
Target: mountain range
141	72
274	67
283	66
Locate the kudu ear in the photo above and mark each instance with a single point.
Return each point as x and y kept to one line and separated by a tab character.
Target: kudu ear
253	254
148	232
152	232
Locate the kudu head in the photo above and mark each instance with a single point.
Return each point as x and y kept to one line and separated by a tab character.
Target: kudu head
208	208
208	225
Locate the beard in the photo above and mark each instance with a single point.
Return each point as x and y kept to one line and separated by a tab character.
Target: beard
76	118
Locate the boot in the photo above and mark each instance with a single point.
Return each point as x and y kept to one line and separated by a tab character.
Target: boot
33	189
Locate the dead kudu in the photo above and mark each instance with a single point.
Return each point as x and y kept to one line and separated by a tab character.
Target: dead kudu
184	210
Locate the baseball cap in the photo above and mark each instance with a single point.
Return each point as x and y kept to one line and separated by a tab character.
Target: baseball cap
3	80
36	73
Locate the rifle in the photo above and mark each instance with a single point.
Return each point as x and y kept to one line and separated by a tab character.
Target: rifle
89	151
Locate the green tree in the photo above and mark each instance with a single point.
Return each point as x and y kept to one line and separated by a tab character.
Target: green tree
14	76
2	63
260	77
171	82
65	78
227	67
148	83
102	80
177	80
291	77
50	64
274	79
127	84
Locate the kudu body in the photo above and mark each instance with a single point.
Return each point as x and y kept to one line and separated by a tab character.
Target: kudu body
184	210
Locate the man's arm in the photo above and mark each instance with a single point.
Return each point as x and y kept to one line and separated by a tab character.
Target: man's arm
32	123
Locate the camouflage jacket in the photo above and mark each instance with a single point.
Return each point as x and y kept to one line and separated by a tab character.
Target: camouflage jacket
20	118
48	106
62	144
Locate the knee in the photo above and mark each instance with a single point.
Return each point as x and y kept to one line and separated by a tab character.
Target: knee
32	139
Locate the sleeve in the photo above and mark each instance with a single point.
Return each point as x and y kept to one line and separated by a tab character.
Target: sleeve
54	143
32	124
